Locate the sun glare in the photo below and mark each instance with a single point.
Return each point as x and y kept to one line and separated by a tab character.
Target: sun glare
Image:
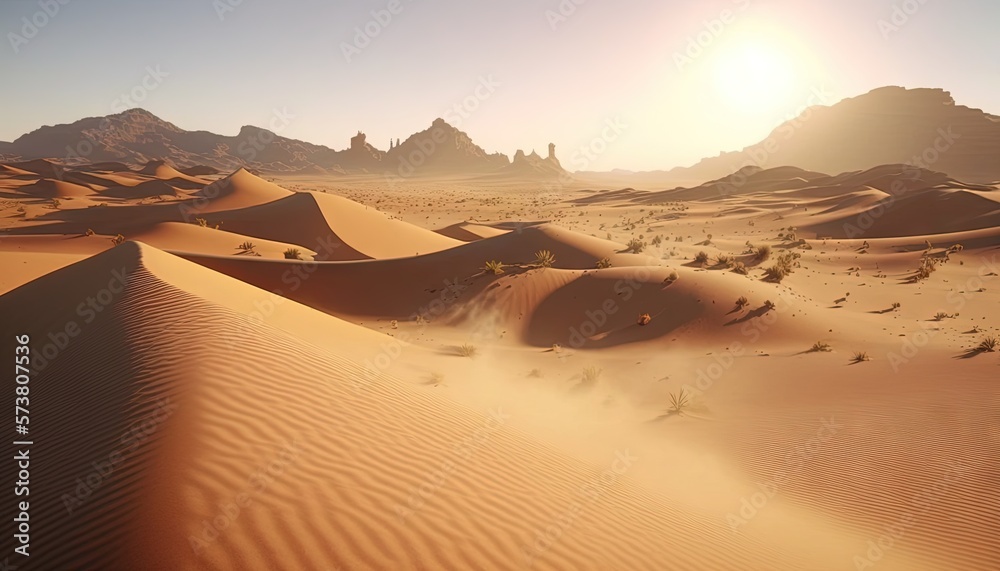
753	77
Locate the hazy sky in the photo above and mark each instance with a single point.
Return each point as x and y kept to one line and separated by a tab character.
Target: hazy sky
680	80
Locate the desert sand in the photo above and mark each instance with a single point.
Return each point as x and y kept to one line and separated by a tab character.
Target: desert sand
313	372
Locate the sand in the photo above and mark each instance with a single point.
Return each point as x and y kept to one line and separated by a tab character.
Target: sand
386	402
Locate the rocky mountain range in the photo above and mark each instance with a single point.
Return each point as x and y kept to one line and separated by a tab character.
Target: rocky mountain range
136	137
924	128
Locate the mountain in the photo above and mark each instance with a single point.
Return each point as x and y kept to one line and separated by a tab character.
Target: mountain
923	128
136	137
890	125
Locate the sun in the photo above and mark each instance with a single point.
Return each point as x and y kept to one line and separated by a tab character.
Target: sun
753	76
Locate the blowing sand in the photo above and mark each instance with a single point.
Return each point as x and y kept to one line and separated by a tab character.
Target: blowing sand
313	373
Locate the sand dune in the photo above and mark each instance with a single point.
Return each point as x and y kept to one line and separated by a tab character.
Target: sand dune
335	467
335	412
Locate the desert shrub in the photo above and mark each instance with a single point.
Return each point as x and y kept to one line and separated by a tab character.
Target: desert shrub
740	268
603	263
635	245
769	305
247	248
783	265
742	302
762	253
724	260
927	267
941	316
293	254
820	347
467	350
644	319
657	240
494	267
202	222
987	345
544	258
775	273
89	232
678	402
701	258
591	374
119	239
896	305
860	357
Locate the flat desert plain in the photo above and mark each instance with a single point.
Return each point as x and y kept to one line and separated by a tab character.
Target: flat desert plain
782	369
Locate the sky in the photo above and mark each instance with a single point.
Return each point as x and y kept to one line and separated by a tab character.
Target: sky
629	84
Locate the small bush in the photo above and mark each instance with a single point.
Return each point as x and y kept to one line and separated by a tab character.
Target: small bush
941	316
657	240
591	374
494	267
544	258
467	350
763	253
293	254
775	273
724	260
927	267
119	239
644	319
635	245
247	247
701	258
740	268
860	357
603	263
89	232
769	305
987	345
678	402
820	347
742	302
